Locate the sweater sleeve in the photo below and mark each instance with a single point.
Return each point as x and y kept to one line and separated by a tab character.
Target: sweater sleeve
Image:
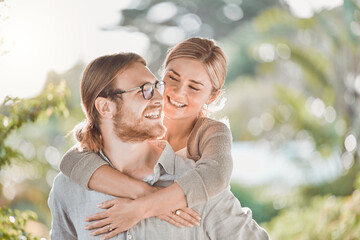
79	166
211	149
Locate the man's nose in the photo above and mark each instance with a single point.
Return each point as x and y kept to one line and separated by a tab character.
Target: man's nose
157	99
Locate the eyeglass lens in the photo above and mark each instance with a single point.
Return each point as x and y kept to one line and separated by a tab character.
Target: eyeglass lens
148	89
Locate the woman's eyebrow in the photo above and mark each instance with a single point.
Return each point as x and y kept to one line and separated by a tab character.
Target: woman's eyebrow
196	82
174	72
191	80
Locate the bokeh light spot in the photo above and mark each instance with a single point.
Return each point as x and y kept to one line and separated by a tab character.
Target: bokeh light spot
233	12
162	12
170	35
190	22
330	114
12	219
318	107
267	52
52	155
350	143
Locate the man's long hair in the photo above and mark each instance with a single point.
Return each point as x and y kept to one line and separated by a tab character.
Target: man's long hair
98	80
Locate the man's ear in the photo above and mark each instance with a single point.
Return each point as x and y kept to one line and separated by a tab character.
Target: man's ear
105	107
213	97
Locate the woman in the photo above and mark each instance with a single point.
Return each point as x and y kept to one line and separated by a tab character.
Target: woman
194	73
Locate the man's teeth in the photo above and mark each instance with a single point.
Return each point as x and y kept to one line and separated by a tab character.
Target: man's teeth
153	114
176	103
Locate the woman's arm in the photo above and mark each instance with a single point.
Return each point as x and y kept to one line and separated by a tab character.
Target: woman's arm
90	171
210	146
211	175
111	181
121	213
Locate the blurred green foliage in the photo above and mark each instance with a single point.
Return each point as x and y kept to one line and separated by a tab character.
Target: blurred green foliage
13	224
326	217
262	210
166	23
305	84
281	69
14	114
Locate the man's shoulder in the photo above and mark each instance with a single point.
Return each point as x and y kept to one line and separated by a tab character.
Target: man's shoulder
61	180
63	184
65	190
222	201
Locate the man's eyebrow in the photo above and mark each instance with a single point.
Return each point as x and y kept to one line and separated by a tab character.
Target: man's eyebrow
191	80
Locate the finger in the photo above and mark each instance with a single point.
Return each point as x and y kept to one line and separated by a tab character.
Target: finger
180	220
98	231
111	234
192	213
188	215
188	218
98	224
107	204
97	216
169	220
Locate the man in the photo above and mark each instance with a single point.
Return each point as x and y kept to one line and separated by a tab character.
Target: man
121	124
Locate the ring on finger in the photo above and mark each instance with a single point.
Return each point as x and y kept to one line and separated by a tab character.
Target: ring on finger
177	212
109	228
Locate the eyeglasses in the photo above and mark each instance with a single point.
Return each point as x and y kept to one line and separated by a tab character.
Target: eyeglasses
147	89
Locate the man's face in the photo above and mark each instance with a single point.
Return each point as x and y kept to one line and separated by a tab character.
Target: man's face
138	119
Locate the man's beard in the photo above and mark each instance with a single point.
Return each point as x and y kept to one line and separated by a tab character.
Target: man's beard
136	131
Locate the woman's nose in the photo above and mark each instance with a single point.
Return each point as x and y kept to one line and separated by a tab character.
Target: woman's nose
179	89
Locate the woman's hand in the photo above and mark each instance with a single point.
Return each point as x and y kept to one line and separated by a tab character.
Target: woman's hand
182	217
121	214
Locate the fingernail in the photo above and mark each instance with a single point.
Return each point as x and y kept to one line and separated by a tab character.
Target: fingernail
86	228
190	225
99	205
92	233
197	224
198	218
87	219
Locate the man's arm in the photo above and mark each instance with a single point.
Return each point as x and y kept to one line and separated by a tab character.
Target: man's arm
61	226
226	219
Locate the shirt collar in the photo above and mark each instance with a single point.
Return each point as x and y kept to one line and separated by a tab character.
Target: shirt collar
102	154
166	159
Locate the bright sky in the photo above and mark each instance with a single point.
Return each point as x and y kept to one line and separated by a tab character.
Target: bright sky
43	35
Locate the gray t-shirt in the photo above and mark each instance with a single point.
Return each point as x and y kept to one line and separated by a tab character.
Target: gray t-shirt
221	217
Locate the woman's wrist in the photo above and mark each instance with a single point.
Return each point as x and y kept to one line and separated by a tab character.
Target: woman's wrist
149	190
144	207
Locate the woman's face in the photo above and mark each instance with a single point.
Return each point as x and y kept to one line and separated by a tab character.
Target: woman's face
188	88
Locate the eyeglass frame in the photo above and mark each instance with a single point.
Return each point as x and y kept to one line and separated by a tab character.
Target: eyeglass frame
153	85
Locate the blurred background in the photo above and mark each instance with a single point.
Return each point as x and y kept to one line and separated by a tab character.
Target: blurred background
292	91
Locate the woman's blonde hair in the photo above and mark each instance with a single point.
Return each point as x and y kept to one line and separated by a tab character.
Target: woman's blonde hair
208	53
98	80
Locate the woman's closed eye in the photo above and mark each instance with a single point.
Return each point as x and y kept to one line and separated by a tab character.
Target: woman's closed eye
194	88
172	78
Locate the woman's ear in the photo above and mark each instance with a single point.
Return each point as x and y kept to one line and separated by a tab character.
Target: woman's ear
105	107
213	97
